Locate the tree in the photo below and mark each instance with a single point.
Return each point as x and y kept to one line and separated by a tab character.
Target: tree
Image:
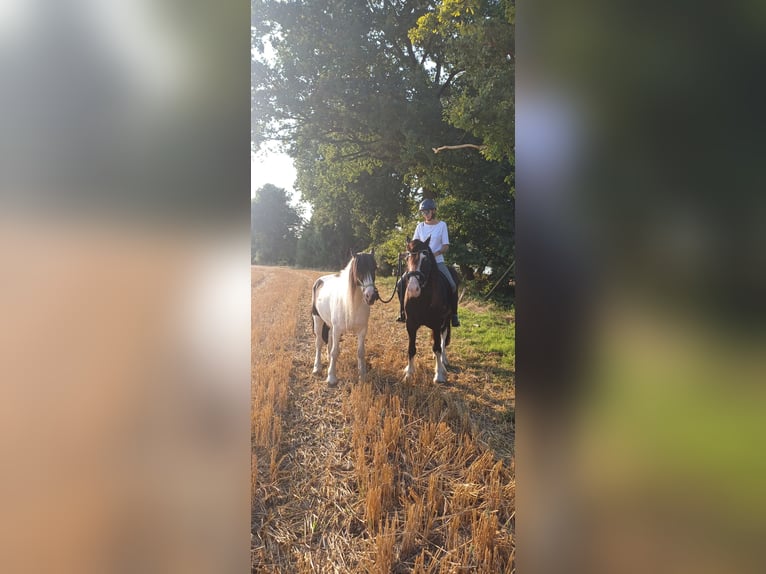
360	100
274	227
325	245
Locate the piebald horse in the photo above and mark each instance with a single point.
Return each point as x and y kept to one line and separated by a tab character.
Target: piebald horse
341	304
427	302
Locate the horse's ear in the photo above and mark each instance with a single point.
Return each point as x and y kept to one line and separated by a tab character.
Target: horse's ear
350	252
408	239
372	252
428	240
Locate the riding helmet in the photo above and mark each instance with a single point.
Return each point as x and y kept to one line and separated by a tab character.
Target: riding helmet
427	204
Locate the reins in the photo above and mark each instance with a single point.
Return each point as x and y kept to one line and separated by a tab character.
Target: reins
398	278
392	294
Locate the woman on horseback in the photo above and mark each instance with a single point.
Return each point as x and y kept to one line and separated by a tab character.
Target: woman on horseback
439	243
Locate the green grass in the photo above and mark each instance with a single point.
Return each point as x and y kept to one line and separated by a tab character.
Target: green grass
491	333
487	334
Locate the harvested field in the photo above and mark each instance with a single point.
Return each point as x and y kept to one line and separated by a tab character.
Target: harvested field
377	476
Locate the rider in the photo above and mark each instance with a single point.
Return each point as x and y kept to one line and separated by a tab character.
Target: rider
439	244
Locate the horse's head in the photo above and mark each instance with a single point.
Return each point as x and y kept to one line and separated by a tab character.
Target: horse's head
363	269
420	262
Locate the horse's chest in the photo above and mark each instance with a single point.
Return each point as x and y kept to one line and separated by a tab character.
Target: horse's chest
428	310
357	321
345	317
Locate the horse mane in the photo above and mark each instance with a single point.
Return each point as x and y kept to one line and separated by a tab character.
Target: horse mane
432	259
352	272
351	279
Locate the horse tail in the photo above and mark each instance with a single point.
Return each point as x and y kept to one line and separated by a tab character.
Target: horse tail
325	332
317	284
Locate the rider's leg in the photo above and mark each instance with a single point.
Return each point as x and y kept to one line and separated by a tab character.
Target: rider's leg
445	271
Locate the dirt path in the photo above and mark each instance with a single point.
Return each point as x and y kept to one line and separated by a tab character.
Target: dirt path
345	479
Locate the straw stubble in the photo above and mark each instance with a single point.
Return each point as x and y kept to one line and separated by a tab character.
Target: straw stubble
380	476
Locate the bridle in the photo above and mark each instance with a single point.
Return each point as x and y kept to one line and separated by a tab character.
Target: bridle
364	286
418	274
421	277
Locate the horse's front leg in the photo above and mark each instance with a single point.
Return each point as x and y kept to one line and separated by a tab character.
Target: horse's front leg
410	368
318	324
334	348
360	354
444	339
440	373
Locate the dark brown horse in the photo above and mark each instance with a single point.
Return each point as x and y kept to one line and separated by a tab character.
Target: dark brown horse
427	302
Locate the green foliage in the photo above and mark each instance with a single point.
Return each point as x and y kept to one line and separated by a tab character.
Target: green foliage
274	227
396	242
474	41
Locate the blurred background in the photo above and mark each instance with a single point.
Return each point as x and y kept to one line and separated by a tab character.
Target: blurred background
124	241
124	238
641	281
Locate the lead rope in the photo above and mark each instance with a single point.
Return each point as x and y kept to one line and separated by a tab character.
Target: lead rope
398	278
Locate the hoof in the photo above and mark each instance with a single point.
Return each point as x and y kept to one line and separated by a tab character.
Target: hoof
332	383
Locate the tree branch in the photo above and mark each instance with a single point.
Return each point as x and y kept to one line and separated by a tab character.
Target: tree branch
448	81
442	148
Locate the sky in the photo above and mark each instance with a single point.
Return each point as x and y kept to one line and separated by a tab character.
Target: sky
269	166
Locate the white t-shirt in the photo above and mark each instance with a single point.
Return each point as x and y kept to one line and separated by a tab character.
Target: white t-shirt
438	234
